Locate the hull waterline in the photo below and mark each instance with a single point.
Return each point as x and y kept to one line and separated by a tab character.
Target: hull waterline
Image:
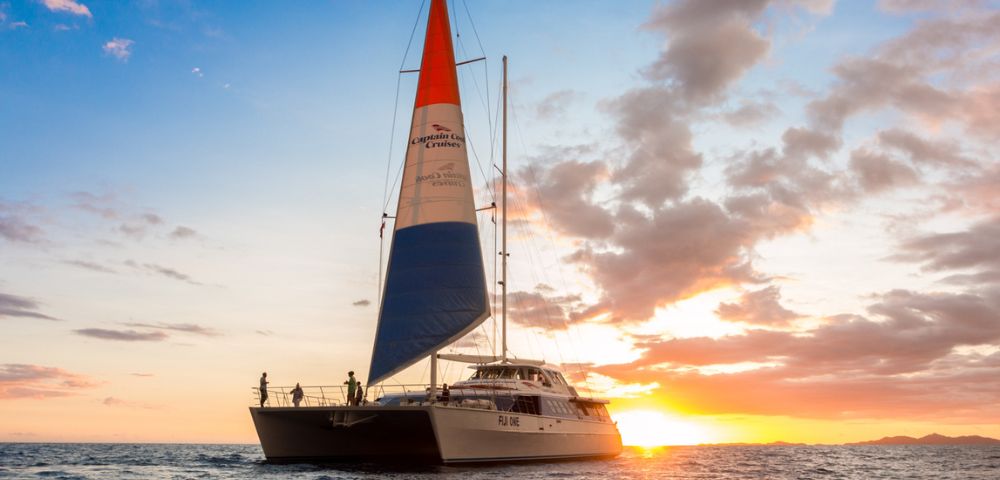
429	434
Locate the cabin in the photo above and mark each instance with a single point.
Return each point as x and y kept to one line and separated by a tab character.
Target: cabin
531	389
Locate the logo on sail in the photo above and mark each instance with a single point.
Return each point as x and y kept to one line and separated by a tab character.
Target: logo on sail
443	138
444	176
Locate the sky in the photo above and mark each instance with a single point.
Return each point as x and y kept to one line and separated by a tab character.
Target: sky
741	221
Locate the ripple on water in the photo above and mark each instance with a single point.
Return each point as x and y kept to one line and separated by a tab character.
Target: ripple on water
133	461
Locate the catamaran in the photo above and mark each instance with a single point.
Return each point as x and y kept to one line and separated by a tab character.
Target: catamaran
435	293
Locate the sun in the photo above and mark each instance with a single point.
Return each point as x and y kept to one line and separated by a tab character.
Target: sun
650	428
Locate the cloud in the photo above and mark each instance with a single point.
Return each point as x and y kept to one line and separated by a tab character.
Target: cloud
362	303
178	327
924	152
751	113
976	249
16	229
182	232
14	225
266	333
850	366
877	172
640	236
541	310
196	71
704	63
668	255
21	307
563	192
645	240
122	335
120	48
9	25
162	271
912	6
474	340
138	227
68	6
556	103
140	374
38	382
100	205
117	402
760	307
977	191
928	72
87	265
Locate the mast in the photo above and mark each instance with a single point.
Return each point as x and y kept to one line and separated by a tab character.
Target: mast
503	248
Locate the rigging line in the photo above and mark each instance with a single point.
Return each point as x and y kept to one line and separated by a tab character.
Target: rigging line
392	140
549	236
479	92
534	256
486	69
386	197
413	32
465	53
473	25
533	250
494	135
479	163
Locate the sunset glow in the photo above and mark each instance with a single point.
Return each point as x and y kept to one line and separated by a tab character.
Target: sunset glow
650	428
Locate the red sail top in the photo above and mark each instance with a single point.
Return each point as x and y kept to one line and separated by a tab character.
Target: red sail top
438	80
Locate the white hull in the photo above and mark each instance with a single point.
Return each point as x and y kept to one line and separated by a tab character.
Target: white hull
429	433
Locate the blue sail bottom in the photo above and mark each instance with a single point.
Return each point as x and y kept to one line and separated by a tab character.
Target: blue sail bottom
435	290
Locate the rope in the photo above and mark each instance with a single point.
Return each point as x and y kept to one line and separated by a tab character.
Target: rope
548	230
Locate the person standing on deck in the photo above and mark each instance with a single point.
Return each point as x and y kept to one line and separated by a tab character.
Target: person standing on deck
263	389
445	394
360	397
297	395
352	385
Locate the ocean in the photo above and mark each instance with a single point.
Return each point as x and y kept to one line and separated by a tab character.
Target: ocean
181	461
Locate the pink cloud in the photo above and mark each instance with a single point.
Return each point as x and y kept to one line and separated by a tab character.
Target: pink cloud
38	382
120	48
68	6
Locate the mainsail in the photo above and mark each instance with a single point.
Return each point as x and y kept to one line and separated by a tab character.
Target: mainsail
435	288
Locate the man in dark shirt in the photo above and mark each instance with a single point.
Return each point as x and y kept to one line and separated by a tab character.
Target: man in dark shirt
263	389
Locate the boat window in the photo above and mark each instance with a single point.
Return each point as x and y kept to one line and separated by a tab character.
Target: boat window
509	373
525	404
534	375
556	378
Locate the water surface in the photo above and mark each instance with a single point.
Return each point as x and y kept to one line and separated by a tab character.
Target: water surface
177	461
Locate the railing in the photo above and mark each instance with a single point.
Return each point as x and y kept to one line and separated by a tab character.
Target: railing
330	395
488	397
334	395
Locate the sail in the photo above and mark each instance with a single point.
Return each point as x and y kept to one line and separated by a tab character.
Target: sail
435	288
